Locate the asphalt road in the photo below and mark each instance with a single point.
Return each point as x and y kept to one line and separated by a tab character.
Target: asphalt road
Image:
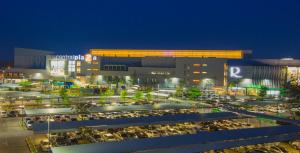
12	136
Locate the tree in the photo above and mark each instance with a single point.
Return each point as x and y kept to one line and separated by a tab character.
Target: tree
63	93
82	108
109	93
102	98
292	90
138	95
92	78
148	95
179	91
123	95
38	100
193	93
263	91
25	84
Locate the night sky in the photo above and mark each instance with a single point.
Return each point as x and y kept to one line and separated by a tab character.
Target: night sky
271	28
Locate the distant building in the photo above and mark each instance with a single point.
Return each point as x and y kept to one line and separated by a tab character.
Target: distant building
217	70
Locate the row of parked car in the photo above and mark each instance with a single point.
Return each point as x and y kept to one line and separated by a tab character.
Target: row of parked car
277	147
28	121
94	134
12	113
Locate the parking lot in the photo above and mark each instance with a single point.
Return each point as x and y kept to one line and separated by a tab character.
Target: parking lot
12	136
87	135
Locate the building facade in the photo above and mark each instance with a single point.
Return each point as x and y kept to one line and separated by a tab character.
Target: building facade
206	69
248	76
167	68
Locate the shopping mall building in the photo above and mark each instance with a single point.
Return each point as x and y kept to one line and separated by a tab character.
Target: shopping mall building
219	70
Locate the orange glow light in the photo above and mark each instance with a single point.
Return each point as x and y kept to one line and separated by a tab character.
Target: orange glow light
231	54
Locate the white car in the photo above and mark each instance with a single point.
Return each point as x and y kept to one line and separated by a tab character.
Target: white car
45	145
29	124
3	114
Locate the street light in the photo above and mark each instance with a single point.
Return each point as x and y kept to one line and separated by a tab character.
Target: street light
157	91
49	130
22	107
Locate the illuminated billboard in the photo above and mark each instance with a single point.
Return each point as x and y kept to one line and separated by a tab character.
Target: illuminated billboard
57	67
235	72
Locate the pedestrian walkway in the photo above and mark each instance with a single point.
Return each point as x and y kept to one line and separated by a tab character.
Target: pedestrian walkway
12	136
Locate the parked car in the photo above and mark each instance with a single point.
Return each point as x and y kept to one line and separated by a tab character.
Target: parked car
45	145
13	114
29	124
3	114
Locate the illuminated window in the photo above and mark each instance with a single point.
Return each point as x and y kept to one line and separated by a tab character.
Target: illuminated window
95	62
71	66
196	65
196	72
204	64
78	63
78	71
196	81
204	72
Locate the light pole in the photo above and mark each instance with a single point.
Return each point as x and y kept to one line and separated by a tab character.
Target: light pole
157	91
22	107
49	129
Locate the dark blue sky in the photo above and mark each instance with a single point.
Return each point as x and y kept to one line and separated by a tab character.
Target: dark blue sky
271	28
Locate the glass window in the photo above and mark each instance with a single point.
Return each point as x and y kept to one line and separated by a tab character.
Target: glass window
71	66
78	63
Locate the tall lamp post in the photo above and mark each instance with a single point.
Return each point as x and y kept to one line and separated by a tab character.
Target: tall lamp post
157	91
22	107
49	136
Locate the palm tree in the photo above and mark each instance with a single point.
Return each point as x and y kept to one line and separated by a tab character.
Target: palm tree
64	96
109	93
148	95
123	95
138	95
102	98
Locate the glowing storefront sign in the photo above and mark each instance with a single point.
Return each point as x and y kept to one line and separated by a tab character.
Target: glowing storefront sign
160	73
235	72
87	57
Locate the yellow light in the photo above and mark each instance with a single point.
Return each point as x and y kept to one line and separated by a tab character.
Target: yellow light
204	64
204	72
196	72
196	65
78	63
232	54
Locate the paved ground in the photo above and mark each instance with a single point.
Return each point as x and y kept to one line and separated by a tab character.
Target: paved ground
12	136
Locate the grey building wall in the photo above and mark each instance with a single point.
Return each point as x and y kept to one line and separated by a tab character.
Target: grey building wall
209	68
167	71
30	58
163	62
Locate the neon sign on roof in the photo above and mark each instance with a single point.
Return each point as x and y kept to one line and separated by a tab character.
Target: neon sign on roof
168	53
